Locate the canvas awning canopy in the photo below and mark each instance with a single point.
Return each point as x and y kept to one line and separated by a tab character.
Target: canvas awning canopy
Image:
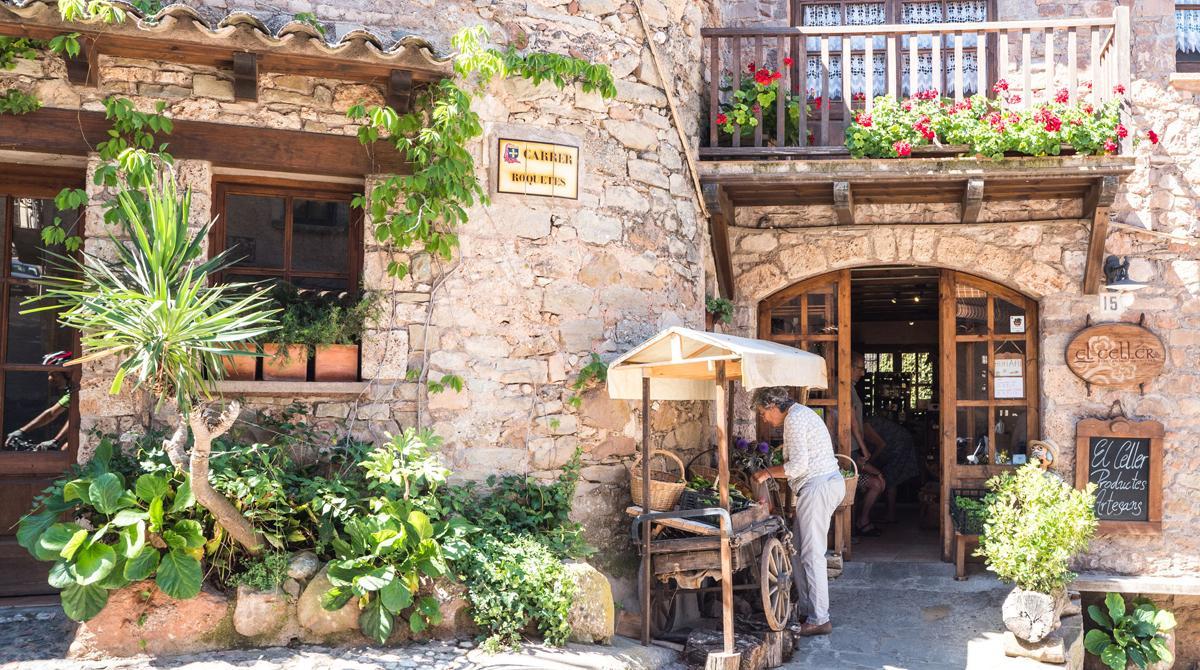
681	364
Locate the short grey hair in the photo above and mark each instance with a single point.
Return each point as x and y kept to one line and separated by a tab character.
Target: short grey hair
773	396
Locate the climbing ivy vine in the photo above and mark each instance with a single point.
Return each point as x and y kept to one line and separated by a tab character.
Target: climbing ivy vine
421	211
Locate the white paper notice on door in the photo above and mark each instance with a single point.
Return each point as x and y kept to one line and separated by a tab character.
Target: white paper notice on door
1009	387
1008	367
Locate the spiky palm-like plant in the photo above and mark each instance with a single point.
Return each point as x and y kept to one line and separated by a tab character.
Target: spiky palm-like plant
155	310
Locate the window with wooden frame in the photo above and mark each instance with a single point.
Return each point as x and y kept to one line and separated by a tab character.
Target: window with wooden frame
1187	37
859	13
40	409
305	234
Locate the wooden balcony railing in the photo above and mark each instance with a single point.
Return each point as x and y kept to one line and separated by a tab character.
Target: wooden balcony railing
1087	57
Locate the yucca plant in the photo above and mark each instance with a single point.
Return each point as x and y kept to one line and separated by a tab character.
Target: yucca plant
154	309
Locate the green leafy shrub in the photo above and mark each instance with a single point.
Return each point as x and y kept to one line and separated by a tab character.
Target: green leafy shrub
516	582
521	505
390	549
263	573
989	127
756	96
117	534
310	317
1035	524
1135	636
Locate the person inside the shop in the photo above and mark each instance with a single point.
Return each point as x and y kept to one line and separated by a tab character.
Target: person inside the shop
59	386
812	472
871	482
896	459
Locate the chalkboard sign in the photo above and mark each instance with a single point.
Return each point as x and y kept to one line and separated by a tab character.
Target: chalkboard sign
1124	460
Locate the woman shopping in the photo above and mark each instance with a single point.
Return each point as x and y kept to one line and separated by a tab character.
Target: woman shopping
812	472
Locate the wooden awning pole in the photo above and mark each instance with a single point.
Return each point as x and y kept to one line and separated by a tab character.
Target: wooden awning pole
723	476
646	563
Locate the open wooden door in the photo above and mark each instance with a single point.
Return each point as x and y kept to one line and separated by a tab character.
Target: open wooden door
40	408
814	315
989	384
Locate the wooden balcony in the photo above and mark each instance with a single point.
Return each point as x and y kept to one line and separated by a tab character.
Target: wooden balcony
1087	57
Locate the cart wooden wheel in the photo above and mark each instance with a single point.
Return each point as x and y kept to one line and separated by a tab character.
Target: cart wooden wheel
775	583
662	605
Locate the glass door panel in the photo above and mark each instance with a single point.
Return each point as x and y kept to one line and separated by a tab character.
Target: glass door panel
989	383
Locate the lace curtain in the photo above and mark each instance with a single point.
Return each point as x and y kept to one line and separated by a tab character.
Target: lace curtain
1187	30
917	13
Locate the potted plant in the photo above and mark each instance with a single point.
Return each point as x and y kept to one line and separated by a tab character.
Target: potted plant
285	357
1140	637
337	335
242	367
1035	523
717	309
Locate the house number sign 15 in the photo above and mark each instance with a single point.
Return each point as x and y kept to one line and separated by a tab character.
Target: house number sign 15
1116	355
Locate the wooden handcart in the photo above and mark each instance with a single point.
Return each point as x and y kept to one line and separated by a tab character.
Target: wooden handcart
685	364
760	552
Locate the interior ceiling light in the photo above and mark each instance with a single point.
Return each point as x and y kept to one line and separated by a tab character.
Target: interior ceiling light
917	298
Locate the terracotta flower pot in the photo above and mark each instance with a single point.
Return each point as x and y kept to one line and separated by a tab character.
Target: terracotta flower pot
289	364
240	368
336	363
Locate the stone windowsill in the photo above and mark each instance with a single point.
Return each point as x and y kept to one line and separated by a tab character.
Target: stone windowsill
324	389
1150	584
1186	81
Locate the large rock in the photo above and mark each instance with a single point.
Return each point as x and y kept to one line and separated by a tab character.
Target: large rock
456	611
140	619
262	613
319	624
303	565
593	615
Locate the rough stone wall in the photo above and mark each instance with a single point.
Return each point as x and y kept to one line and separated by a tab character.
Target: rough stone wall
538	284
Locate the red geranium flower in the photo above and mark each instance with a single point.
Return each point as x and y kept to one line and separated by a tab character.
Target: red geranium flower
1077	122
1110	147
1014	99
817	101
750	68
1000	87
1062	97
763	77
907	106
787	62
863	120
1089	109
1122	131
757	109
1119	89
1153	136
902	148
777	75
722	119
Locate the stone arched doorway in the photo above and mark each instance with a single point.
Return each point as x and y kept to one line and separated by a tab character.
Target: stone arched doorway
971	382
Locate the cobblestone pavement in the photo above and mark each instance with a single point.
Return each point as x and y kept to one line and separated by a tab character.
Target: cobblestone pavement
912	616
37	638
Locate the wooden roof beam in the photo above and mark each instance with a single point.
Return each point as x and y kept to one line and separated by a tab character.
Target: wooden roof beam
1095	207
721	215
972	200
843	203
245	76
70	132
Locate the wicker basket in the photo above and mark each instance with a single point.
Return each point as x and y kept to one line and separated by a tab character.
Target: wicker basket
851	482
665	488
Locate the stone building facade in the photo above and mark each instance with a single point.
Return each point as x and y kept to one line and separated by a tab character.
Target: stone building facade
538	285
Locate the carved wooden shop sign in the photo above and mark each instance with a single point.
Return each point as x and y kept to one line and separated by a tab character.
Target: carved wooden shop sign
1116	355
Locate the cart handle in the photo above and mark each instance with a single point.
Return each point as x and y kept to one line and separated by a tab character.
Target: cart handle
726	522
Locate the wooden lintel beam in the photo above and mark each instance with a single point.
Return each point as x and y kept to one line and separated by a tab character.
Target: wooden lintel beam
972	200
83	69
843	203
71	132
400	90
721	213
1099	199
245	76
